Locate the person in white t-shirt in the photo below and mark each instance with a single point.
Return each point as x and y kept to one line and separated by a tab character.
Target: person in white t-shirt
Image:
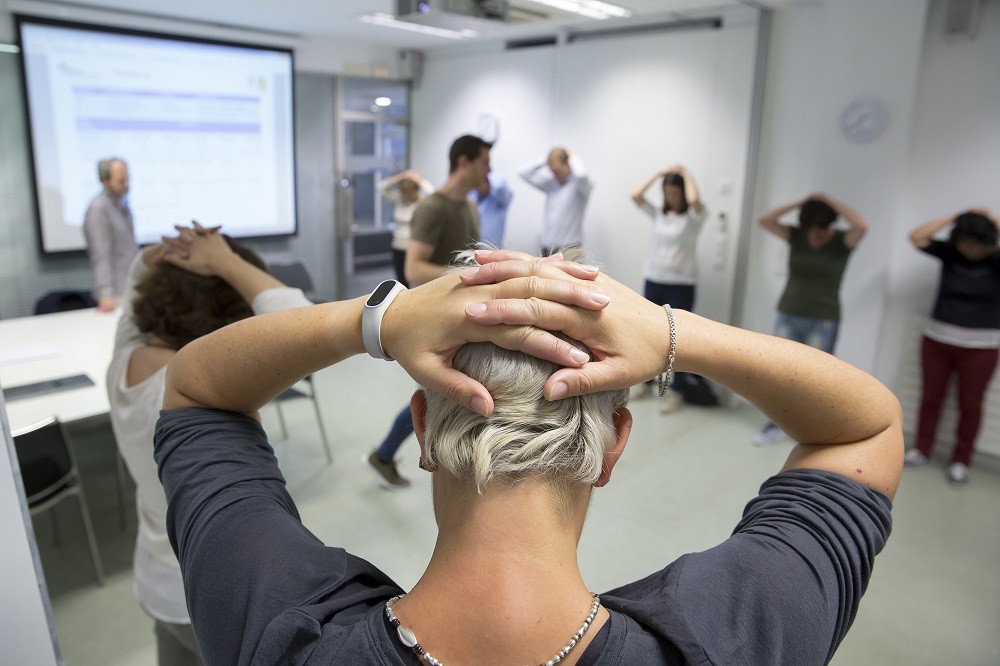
405	190
176	292
671	271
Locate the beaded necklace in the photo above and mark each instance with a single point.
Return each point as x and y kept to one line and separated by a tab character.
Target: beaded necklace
409	639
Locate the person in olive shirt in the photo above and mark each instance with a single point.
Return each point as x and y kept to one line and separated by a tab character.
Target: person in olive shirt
809	309
445	222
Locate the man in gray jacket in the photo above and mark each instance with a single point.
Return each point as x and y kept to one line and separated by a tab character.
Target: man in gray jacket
110	237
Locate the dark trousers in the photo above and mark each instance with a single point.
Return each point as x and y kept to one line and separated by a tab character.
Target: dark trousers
975	368
402	427
398	262
680	296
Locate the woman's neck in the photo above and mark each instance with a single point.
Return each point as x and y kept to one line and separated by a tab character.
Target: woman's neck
505	571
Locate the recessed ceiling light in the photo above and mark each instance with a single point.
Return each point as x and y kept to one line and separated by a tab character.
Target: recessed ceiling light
594	9
389	21
382	101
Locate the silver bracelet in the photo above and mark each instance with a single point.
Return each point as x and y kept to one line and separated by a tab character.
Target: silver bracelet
664	379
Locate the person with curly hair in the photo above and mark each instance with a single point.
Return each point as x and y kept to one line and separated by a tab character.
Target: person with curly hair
177	292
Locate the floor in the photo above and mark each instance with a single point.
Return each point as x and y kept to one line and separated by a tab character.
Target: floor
681	486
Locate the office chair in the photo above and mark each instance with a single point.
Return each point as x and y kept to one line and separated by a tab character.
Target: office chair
295	274
49	474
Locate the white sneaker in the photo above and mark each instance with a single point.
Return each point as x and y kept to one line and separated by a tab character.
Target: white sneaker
914	458
640	391
769	434
671	402
958	474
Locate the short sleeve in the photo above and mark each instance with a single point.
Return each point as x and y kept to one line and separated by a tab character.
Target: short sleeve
246	558
697	218
939	249
426	225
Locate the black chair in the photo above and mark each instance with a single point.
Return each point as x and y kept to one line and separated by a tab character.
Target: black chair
64	301
295	274
49	474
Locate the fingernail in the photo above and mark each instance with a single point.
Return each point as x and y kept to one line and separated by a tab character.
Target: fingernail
600	299
579	356
480	406
559	391
468	272
475	308
590	269
484	251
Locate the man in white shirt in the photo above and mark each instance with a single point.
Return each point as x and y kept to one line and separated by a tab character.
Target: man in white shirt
567	189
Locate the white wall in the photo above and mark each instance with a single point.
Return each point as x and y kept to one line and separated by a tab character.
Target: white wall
627	106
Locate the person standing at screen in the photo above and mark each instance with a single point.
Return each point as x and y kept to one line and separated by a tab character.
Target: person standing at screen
567	187
405	190
963	334
671	265
493	198
107	228
809	309
444	223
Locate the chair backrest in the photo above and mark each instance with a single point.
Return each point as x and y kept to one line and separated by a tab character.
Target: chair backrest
293	274
63	301
44	458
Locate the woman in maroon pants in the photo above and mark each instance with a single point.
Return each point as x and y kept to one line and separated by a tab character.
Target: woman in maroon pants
963	334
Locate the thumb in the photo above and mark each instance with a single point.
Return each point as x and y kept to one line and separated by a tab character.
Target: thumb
591	378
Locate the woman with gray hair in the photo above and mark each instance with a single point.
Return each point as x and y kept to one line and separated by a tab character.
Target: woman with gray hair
515	445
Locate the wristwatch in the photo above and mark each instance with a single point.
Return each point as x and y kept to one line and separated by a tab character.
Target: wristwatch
371	317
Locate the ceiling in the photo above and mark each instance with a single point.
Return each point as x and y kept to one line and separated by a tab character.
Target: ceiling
339	18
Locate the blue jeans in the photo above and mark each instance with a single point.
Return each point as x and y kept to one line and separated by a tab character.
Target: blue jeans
402	428
818	333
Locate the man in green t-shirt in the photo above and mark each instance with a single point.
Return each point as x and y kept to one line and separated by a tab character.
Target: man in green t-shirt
809	309
444	223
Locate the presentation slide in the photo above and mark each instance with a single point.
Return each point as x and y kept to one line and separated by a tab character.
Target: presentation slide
206	130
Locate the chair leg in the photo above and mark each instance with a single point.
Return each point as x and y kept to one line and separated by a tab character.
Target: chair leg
95	556
281	420
322	430
120	479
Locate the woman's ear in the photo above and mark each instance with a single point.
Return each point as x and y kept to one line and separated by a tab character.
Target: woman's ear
622	419
418	410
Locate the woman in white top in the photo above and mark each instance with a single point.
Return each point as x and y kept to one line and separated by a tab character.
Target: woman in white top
405	190
176	293
671	267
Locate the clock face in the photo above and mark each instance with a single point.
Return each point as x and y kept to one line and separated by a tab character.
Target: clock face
863	120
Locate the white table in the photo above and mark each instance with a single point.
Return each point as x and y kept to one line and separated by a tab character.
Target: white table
78	342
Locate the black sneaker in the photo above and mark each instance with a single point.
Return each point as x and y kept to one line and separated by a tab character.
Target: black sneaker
388	475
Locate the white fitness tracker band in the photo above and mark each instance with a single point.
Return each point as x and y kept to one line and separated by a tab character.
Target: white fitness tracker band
371	317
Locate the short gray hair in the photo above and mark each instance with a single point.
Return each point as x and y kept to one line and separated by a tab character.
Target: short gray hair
104	167
563	441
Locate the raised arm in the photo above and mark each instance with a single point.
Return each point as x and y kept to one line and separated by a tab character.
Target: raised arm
771	220
538	174
242	366
858	225
921	236
639	194
691	192
845	420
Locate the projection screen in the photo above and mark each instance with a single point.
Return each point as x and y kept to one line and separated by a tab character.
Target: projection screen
205	127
